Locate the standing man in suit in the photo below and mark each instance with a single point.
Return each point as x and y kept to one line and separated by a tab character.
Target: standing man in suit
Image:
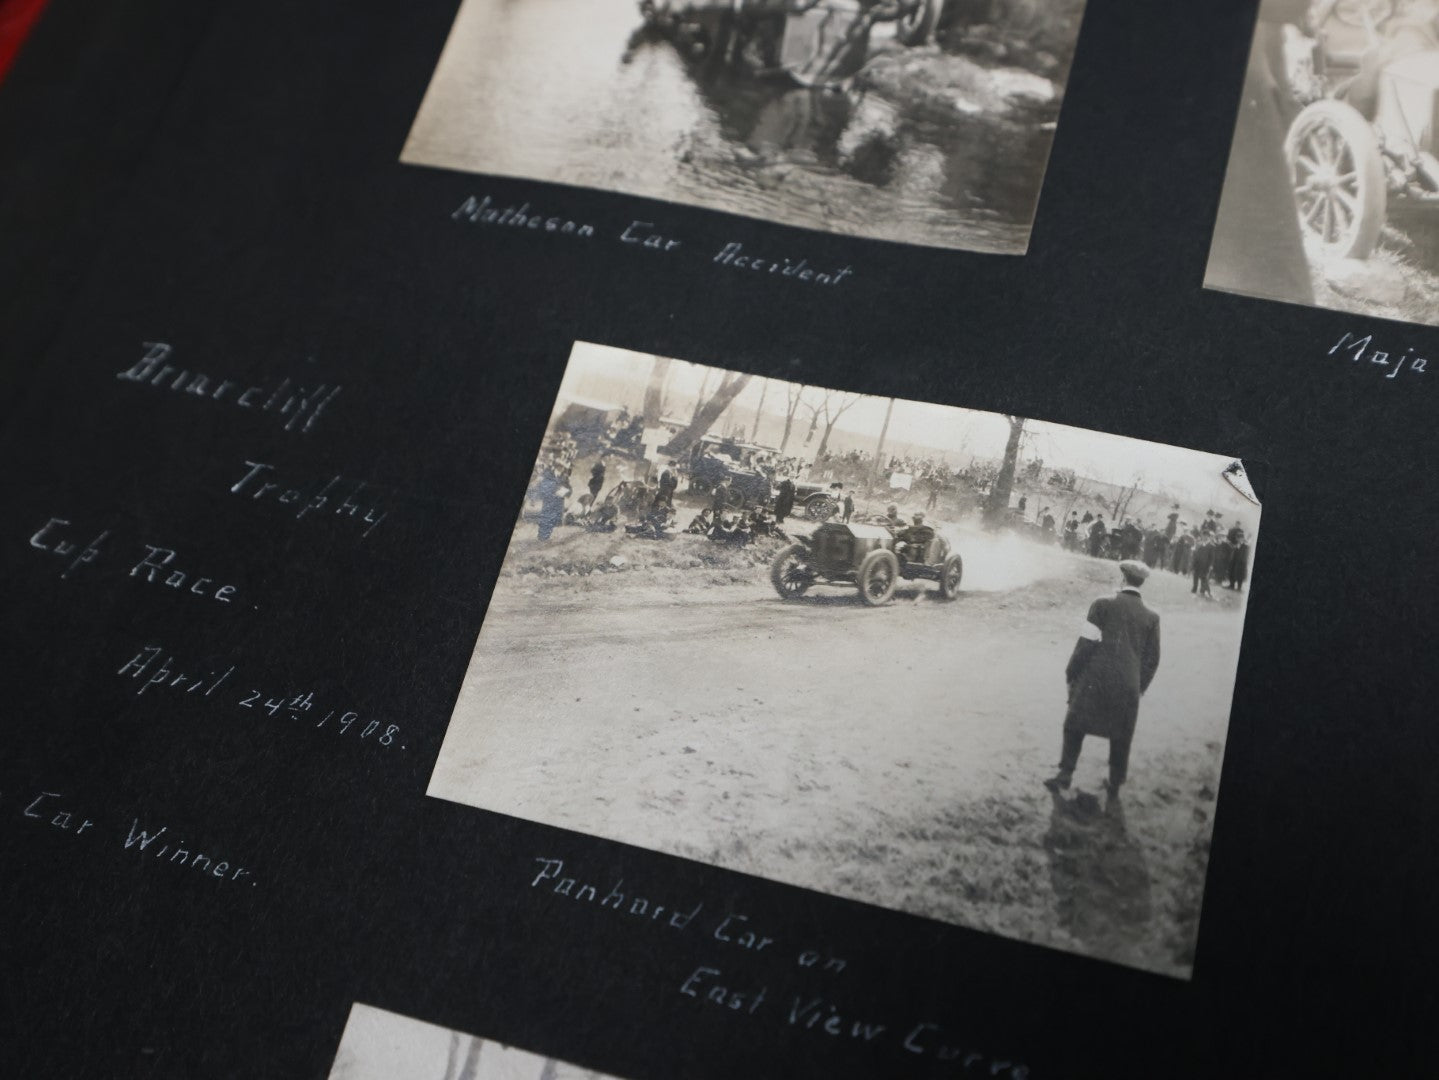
1202	565
784	500
1097	535
1111	667
669	484
720	502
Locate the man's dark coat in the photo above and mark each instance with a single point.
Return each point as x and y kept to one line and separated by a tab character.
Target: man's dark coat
1107	677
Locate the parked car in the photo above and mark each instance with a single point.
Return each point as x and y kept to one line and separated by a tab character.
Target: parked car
748	487
816	501
1362	149
869	557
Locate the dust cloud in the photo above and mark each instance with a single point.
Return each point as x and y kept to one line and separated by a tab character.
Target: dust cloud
999	563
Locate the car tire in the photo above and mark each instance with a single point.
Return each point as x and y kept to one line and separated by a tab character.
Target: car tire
1337	173
820	508
779	570
950	575
878	575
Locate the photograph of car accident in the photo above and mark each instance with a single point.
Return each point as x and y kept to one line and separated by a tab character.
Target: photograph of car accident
381	1045
903	653
920	121
1332	193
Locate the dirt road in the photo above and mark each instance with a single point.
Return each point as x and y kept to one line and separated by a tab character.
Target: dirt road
890	755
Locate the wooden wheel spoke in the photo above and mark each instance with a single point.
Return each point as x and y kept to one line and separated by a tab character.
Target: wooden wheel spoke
1344	212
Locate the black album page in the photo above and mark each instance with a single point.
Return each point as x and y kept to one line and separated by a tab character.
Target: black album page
713	538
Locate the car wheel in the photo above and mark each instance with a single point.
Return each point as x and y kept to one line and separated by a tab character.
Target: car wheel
878	575
820	508
916	25
1338	177
950	577
789	573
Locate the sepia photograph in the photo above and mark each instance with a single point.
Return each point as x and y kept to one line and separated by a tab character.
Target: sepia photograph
1332	194
925	122
898	652
381	1045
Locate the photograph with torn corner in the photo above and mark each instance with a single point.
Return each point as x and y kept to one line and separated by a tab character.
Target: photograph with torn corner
380	1045
898	652
1332	194
920	121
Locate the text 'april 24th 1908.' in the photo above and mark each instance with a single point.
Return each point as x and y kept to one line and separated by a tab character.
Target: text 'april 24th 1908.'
155	671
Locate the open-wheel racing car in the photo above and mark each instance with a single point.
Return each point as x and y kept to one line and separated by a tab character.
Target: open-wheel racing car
1362	149
871	557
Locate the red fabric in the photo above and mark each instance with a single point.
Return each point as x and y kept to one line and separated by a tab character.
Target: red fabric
16	19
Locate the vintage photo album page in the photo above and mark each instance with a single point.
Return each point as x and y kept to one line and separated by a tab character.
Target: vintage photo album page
972	666
926	122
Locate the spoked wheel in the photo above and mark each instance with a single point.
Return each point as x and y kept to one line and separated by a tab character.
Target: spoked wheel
1338	176
878	575
915	26
790	573
950	577
821	509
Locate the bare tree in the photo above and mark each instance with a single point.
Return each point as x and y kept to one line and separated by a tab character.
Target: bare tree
878	463
1126	496
471	1067
655	391
794	397
996	507
703	395
759	409
832	406
706	413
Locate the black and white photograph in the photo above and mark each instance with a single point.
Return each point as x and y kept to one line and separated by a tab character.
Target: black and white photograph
1332	194
381	1045
972	666
926	122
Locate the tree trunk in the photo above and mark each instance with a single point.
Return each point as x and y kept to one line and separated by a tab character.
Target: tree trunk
1121	504
655	392
878	462
706	415
824	441
997	505
759	410
470	1069
789	415
703	396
